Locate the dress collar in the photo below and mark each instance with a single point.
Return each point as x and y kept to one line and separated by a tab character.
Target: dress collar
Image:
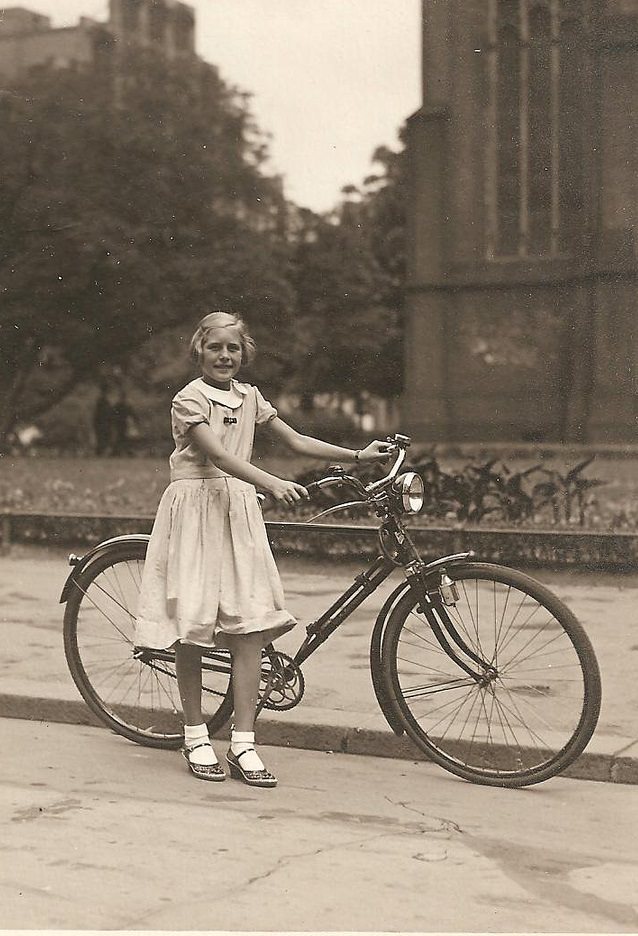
232	398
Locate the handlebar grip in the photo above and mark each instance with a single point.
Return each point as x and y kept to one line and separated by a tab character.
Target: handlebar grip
315	486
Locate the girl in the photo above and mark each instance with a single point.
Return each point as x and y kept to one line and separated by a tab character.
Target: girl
210	578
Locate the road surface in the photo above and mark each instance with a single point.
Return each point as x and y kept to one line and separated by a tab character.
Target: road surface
99	833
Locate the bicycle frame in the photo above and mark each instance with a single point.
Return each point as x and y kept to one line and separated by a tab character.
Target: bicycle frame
327	623
484	669
319	630
423	578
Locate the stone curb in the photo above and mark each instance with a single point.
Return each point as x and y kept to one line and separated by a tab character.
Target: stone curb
591	765
584	551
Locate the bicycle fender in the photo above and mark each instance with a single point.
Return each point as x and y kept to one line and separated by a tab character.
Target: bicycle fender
455	559
376	640
80	563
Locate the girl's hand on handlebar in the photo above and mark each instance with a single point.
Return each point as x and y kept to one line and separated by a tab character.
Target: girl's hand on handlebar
377	451
287	492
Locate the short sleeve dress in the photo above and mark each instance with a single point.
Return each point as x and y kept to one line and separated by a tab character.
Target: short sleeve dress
209	570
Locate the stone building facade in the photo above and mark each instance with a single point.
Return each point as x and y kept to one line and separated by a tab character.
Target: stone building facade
28	39
522	304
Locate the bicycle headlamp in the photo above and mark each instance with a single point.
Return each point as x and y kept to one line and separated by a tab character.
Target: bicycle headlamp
409	487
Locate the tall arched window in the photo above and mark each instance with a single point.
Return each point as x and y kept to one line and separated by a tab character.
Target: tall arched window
535	180
157	22
542	131
131	16
508	141
183	29
572	142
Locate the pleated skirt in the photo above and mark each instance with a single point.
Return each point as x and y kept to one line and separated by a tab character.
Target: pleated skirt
209	571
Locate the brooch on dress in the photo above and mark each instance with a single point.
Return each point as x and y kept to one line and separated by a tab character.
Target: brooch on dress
230	420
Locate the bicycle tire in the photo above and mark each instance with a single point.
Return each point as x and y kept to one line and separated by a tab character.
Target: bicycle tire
134	695
530	720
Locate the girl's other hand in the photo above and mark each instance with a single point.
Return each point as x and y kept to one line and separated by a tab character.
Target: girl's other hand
287	492
377	451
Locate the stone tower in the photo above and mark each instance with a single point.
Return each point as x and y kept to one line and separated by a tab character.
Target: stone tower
27	39
166	24
522	313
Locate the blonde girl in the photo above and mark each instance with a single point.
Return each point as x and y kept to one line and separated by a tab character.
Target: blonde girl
210	579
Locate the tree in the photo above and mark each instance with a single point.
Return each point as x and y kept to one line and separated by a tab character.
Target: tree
385	197
336	286
133	198
349	272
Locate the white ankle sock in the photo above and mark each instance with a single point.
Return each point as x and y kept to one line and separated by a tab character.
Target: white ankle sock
198	734
241	741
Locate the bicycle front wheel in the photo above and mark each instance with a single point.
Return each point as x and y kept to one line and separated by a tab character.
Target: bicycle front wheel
131	689
526	710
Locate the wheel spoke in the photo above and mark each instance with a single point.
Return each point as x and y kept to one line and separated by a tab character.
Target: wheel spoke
135	693
416	692
523	719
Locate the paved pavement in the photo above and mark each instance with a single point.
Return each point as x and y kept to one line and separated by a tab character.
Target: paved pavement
339	711
100	834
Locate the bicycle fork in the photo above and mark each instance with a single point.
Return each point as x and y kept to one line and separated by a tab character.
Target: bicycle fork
433	602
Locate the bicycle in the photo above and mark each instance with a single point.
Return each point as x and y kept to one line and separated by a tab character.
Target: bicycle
487	671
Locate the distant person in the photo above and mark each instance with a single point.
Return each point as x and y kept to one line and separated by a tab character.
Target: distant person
103	421
124	425
209	578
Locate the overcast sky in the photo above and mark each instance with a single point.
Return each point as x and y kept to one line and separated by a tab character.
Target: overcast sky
331	79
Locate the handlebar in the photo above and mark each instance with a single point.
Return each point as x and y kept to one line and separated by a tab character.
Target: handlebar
366	493
338	475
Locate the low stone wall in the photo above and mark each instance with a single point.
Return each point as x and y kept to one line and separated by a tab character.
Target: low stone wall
74	531
519	548
532	548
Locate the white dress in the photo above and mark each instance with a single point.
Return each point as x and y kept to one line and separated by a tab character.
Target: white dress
209	570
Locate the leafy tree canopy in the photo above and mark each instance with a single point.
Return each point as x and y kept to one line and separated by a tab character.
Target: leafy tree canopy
132	199
135	197
349	271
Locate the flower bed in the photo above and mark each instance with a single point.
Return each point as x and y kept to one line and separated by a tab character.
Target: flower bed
600	495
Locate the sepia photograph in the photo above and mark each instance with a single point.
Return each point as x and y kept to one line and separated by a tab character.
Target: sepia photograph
319	466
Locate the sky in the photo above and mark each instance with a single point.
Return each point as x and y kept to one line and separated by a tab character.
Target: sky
330	79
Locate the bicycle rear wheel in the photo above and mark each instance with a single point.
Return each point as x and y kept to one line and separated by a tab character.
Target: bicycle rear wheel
130	689
528	712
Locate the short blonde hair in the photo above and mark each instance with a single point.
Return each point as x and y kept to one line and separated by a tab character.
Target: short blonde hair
221	319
